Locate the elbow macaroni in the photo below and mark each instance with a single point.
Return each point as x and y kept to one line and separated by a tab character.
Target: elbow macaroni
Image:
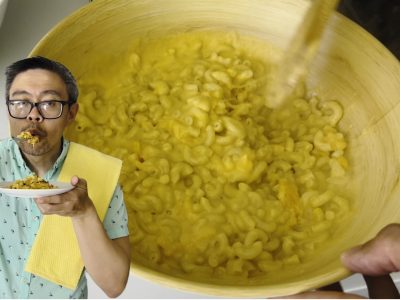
216	184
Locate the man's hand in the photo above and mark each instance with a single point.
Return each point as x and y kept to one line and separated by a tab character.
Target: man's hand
75	203
107	261
375	259
379	256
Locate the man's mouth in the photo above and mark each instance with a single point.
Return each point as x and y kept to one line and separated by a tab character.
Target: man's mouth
35	132
31	136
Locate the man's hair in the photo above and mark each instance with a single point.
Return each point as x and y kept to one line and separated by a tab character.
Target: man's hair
39	62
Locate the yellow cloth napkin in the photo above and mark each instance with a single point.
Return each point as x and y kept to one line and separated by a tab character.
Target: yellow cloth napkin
55	254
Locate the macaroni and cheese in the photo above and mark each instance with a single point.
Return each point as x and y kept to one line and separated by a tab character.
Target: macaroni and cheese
31	182
31	139
217	185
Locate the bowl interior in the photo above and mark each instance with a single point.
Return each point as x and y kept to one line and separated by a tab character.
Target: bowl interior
351	67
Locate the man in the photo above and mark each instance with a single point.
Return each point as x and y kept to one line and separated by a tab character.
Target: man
41	98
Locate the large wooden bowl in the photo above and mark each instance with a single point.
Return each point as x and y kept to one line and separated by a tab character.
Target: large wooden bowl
351	66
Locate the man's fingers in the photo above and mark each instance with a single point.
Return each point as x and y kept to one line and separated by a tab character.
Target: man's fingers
379	256
79	182
52	205
48	200
47	209
353	259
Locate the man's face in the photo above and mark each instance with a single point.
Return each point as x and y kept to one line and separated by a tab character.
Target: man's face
38	85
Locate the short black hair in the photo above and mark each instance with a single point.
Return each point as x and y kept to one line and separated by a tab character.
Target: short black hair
39	62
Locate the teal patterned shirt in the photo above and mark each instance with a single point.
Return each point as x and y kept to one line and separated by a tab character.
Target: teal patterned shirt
19	222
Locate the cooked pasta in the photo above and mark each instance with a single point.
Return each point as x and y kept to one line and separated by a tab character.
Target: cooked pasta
31	182
215	182
31	139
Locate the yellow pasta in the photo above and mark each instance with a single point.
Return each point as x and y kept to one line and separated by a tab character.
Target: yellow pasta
31	182
31	139
216	183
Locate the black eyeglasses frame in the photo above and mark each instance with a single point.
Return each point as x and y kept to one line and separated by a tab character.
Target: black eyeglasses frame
36	104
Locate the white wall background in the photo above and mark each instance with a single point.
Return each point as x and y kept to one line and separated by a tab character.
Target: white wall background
25	22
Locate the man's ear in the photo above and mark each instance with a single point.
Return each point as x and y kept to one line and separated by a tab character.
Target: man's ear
72	112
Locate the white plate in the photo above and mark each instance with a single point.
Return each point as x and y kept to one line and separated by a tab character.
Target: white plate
61	187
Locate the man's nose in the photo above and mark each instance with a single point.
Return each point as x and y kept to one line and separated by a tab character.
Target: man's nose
35	115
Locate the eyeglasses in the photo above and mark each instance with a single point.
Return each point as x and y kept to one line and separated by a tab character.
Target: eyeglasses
50	109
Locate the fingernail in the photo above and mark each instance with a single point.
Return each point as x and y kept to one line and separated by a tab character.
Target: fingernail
346	256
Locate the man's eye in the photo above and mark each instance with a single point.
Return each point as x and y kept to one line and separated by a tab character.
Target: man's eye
22	103
49	104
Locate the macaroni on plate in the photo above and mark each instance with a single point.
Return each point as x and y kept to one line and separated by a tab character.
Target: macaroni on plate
31	182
